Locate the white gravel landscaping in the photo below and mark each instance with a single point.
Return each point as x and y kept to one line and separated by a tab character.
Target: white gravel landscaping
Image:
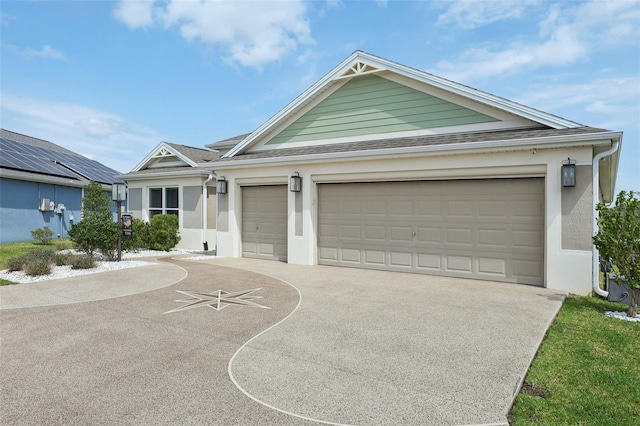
101	266
622	316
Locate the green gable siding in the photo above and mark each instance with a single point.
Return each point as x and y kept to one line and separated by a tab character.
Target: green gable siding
371	104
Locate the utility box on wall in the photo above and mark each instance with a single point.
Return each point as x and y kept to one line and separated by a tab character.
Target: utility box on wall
45	205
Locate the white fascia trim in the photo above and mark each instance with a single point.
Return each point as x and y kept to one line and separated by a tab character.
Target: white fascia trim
141	165
477	95
147	176
564	141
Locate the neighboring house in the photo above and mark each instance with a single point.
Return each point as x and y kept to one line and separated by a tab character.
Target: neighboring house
42	184
170	181
405	171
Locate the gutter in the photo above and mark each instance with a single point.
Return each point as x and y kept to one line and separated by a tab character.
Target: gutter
205	207
595	185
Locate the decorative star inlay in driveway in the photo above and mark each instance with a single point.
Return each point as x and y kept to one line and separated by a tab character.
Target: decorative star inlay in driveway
218	300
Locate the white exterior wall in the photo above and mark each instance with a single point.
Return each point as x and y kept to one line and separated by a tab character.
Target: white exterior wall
568	270
190	238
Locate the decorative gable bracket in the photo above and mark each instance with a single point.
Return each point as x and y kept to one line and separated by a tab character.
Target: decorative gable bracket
359	68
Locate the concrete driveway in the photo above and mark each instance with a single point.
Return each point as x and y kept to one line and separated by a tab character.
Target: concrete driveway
308	344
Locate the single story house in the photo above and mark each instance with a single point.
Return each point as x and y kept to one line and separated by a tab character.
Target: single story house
170	181
382	166
42	185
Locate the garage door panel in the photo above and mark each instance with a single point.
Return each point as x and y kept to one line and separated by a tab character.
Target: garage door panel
264	222
491	229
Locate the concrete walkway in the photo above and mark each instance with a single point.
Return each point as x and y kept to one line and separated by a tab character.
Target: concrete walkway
309	344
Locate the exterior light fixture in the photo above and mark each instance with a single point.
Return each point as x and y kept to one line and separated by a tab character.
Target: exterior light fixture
568	173
221	185
118	192
296	183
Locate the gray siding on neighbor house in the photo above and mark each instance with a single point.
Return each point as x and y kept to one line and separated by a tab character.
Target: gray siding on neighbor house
192	207
20	213
577	212
371	105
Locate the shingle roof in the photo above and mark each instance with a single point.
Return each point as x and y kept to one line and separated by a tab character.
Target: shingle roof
431	140
198	155
229	142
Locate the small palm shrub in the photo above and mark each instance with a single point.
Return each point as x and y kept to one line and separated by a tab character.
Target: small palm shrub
37	267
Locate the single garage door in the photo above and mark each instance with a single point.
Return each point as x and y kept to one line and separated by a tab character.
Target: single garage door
484	229
264	222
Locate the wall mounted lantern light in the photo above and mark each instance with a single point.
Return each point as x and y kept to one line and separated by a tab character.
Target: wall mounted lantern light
296	182
568	173
221	185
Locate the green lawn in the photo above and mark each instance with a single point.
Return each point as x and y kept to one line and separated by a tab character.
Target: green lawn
16	249
587	371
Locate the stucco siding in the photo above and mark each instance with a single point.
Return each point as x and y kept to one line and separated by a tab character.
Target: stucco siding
192	207
577	212
20	214
135	202
373	105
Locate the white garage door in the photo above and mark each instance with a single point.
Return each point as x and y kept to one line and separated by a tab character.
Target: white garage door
264	222
485	229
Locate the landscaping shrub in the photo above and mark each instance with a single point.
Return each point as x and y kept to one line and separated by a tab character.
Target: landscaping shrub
37	267
139	238
61	259
15	263
44	254
96	231
82	261
163	232
42	235
61	246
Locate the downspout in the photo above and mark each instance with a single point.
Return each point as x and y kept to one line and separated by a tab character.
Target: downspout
205	211
595	185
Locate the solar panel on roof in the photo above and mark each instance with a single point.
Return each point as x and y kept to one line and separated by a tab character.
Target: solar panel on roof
22	156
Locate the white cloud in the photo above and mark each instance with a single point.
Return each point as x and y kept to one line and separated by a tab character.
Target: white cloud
614	102
46	52
566	36
253	33
472	14
135	13
105	137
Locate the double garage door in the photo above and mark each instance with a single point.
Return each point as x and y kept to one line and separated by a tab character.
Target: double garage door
485	229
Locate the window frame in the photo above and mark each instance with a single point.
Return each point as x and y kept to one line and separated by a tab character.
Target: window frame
164	209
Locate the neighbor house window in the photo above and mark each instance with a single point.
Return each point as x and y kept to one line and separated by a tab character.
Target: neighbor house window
163	201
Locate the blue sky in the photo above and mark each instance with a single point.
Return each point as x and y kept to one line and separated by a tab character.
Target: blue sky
111	80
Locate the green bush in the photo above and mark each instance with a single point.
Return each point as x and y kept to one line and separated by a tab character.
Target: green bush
42	235
163	232
82	261
37	267
139	238
15	263
96	231
61	246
